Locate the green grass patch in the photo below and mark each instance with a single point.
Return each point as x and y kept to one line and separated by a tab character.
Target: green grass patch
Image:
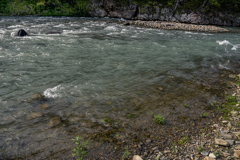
131	115
107	120
183	140
159	119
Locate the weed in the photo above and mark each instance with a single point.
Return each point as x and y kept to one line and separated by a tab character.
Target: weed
208	135
116	135
217	153
173	148
203	130
175	127
204	115
186	105
159	119
125	153
199	148
231	99
183	140
79	150
3	150
143	111
228	86
107	120
131	115
158	158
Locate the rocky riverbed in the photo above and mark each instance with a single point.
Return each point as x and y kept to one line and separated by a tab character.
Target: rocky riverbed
174	26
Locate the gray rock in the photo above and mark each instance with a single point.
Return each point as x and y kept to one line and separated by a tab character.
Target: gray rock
225	154
34	115
221	142
230	142
227	136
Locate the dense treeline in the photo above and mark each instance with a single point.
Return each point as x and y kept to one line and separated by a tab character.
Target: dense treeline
79	7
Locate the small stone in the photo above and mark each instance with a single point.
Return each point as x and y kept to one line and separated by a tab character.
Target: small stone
215	125
160	154
237	154
211	155
230	142
137	157
224	122
231	76
237	142
155	148
237	147
236	133
43	106
237	105
204	153
234	94
225	154
234	113
148	141
229	125
221	142
227	136
167	151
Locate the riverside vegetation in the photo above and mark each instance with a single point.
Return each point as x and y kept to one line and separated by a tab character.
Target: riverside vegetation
80	7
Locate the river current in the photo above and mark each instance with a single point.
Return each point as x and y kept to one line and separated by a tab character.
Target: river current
93	69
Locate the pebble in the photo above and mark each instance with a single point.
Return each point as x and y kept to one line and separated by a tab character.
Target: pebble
221	142
230	142
224	122
155	148
237	154
211	155
148	141
54	121
137	157
227	136
204	153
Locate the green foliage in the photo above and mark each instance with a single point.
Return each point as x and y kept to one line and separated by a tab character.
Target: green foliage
159	119
79	150
231	99
204	115
183	140
107	120
173	148
199	148
186	105
131	115
217	153
125	153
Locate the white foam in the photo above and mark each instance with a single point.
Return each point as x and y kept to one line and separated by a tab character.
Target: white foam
235	46
111	28
16	26
53	92
60	26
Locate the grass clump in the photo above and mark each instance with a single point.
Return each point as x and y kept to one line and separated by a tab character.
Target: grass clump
79	150
186	105
159	119
204	115
107	120
231	99
183	140
199	148
131	115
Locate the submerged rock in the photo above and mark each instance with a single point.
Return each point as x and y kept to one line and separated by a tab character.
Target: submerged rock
43	106
55	121
34	115
52	32
22	33
37	96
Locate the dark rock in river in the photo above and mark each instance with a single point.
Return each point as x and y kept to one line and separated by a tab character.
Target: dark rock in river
54	121
22	33
37	96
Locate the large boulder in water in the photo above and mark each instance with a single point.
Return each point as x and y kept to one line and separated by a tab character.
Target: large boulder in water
22	33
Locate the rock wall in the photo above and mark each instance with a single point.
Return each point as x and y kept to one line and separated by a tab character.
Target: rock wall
131	11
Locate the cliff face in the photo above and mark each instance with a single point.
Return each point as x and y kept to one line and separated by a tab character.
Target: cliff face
132	11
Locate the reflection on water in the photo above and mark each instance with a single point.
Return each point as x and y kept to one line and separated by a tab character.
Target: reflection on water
92	70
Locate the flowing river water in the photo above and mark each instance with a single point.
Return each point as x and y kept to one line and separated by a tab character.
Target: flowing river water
93	69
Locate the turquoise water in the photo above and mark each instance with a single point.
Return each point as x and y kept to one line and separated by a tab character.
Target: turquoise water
92	70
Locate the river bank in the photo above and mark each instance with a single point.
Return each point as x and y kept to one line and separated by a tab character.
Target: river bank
106	82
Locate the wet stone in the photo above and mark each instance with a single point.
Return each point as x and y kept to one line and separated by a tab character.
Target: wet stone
34	115
54	121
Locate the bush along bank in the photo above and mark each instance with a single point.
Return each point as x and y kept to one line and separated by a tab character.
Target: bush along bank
213	12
